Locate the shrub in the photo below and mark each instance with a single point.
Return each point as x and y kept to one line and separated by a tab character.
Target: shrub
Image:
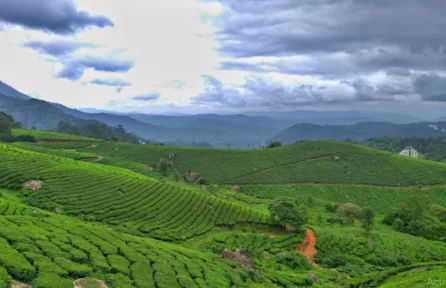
119	280
398	224
331	207
274	144
350	211
295	261
5	279
334	260
48	280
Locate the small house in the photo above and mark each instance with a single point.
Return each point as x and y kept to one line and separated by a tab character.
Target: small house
409	152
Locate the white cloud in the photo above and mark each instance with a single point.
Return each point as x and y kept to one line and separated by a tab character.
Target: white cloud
172	44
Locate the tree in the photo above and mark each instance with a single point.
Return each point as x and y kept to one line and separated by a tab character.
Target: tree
5	125
367	220
274	144
350	211
162	167
16	125
288	213
417	204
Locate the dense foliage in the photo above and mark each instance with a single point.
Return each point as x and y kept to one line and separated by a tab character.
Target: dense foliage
432	148
418	217
98	131
286	212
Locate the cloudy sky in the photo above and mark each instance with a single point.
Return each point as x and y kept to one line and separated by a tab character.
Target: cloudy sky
228	55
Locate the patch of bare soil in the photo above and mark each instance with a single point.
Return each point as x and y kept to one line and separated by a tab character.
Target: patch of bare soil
16	284
34	185
84	283
308	246
193	177
242	258
95	159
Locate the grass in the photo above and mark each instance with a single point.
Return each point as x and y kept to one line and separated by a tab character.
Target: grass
119	197
48	135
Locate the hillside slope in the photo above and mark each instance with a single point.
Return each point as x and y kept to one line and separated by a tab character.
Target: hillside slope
49	250
118	196
308	161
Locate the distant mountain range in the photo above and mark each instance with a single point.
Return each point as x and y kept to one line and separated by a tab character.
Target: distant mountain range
250	129
360	131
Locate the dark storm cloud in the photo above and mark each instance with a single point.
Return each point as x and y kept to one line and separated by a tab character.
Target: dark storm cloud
60	17
111	82
288	27
74	69
55	48
431	87
339	40
148	97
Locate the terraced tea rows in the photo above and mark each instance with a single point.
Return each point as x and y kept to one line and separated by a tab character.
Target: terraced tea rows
66	153
389	249
117	196
254	243
48	135
51	252
10	208
380	199
309	161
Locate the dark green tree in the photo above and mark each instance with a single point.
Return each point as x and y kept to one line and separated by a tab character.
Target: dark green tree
288	213
274	144
367	220
5	125
163	167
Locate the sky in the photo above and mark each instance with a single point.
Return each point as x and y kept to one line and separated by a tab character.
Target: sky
198	56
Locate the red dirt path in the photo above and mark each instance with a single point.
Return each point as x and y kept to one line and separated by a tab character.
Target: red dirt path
308	246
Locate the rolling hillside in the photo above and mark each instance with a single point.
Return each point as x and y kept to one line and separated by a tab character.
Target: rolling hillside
71	207
52	136
120	197
316	162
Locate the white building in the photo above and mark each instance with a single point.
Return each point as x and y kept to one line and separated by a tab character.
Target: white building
409	152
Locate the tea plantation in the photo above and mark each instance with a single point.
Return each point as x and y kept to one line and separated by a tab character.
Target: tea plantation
48	135
52	251
316	162
75	208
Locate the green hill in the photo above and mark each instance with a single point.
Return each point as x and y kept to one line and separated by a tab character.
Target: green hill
74	207
307	161
118	196
48	135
